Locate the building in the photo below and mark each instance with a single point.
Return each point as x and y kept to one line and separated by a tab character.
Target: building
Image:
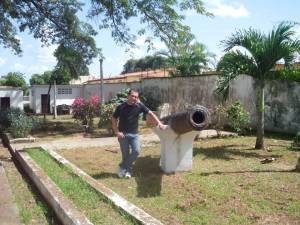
133	77
41	102
11	97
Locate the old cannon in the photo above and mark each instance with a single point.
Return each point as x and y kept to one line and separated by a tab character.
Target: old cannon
177	140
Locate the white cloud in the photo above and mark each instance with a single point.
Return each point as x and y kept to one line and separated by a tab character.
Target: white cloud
20	39
298	32
31	69
2	61
141	47
234	9
45	55
19	67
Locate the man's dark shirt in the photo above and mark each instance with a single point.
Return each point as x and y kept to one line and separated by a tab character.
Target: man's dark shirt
128	116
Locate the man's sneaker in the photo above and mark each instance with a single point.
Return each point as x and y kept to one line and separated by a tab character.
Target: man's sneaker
121	172
127	175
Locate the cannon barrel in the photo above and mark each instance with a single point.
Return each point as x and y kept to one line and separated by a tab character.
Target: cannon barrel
194	118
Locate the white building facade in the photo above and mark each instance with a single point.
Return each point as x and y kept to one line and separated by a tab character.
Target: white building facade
65	95
11	97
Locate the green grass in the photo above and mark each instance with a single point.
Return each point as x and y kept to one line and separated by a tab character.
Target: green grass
228	184
66	126
93	204
32	208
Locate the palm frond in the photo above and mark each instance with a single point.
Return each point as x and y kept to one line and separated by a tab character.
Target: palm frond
231	65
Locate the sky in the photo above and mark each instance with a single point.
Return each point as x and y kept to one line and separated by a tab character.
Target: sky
229	16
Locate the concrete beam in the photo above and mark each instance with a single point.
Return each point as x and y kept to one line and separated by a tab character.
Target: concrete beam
63	208
136	213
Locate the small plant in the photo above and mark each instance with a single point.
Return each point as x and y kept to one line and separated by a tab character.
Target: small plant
120	97
239	119
85	111
21	125
150	102
15	121
106	112
296	143
219	115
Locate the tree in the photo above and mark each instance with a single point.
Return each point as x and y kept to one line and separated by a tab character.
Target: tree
191	60
188	58
48	77
44	78
145	63
262	53
15	79
55	22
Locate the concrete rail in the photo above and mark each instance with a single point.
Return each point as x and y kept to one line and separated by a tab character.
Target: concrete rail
64	209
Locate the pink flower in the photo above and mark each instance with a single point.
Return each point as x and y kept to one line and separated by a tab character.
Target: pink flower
78	102
94	100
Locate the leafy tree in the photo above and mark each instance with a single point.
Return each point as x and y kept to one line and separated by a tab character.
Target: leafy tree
145	63
44	78
188	57
37	79
55	22
14	79
263	51
48	77
191	60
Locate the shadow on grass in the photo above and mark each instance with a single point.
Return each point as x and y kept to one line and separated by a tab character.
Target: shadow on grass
248	171
51	128
104	175
37	196
148	176
225	152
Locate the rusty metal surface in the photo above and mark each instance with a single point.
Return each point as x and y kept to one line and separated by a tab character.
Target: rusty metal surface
194	118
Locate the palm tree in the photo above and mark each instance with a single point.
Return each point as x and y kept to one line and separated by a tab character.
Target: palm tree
260	56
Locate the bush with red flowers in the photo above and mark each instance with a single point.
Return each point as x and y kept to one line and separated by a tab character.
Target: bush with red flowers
85	111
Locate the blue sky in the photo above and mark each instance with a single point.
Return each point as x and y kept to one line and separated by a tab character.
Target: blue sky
230	15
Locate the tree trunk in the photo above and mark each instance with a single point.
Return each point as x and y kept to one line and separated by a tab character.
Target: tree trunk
260	116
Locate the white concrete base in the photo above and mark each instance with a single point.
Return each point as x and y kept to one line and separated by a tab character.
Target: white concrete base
176	150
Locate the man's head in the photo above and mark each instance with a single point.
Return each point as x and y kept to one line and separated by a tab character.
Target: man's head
132	97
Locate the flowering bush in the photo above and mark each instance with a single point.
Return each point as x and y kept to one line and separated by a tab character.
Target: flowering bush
106	112
85	111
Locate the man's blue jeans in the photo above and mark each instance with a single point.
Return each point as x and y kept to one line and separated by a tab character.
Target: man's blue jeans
129	141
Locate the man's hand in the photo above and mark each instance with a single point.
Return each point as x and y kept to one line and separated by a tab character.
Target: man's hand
120	135
162	126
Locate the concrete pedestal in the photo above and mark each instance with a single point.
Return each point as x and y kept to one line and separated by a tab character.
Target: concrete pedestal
176	150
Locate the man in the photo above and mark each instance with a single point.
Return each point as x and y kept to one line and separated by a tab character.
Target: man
125	125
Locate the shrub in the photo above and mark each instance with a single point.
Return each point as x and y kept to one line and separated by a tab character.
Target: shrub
15	121
6	117
106	112
150	102
239	119
21	125
28	110
85	111
292	74
120	97
296	142
218	118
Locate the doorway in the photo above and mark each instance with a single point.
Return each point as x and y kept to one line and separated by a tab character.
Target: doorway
45	103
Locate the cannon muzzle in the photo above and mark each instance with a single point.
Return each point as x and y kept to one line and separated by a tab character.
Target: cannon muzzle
195	118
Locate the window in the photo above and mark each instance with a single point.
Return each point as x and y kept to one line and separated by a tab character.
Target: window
64	91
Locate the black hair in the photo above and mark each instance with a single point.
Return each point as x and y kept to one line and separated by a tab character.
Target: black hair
132	90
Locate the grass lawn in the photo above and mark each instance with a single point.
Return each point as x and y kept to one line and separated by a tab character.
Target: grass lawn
228	184
84	197
66	126
32	208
